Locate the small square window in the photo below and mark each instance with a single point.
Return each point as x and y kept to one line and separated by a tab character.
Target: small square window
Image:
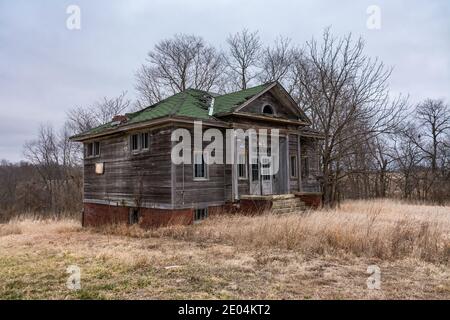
200	214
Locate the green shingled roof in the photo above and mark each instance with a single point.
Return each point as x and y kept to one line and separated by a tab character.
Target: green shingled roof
228	102
191	103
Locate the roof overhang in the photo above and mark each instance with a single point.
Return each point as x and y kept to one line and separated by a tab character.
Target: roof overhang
261	117
148	124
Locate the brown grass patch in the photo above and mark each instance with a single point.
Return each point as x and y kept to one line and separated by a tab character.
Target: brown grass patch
315	255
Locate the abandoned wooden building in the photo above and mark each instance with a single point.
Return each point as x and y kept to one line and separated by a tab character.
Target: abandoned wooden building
129	176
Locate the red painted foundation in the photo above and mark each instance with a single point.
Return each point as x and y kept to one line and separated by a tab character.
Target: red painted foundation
100	214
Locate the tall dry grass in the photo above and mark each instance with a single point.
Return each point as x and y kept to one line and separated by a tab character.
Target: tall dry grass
382	229
38	226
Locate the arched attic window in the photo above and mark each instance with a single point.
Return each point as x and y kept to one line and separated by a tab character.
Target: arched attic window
267	109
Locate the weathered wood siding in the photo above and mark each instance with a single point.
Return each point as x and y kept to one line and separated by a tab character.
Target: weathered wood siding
142	179
269	99
197	193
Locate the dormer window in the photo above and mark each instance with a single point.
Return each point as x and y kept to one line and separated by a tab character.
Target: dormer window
267	109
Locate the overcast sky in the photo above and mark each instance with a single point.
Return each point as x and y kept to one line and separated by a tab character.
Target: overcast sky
46	69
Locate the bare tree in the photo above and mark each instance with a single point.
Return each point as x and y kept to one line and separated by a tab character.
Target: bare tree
186	61
82	119
43	153
243	57
346	94
433	123
53	159
277	63
408	158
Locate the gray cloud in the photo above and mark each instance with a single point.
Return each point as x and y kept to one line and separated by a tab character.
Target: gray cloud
46	69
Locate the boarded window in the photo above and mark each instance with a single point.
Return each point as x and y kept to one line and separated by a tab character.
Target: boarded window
200	214
293	166
200	169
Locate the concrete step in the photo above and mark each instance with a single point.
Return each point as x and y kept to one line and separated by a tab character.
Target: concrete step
286	202
289	205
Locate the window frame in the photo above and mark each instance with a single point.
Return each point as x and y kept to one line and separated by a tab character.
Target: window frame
138	149
244	166
133	216
200	214
295	166
141	142
205	167
92	150
272	109
96	148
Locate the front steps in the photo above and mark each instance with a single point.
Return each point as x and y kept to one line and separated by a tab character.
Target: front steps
288	205
277	204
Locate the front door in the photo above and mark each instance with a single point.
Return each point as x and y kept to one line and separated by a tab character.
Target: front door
266	175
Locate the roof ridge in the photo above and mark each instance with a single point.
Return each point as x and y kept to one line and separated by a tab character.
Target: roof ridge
243	90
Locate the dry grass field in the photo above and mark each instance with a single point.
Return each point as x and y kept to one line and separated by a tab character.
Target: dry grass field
314	255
